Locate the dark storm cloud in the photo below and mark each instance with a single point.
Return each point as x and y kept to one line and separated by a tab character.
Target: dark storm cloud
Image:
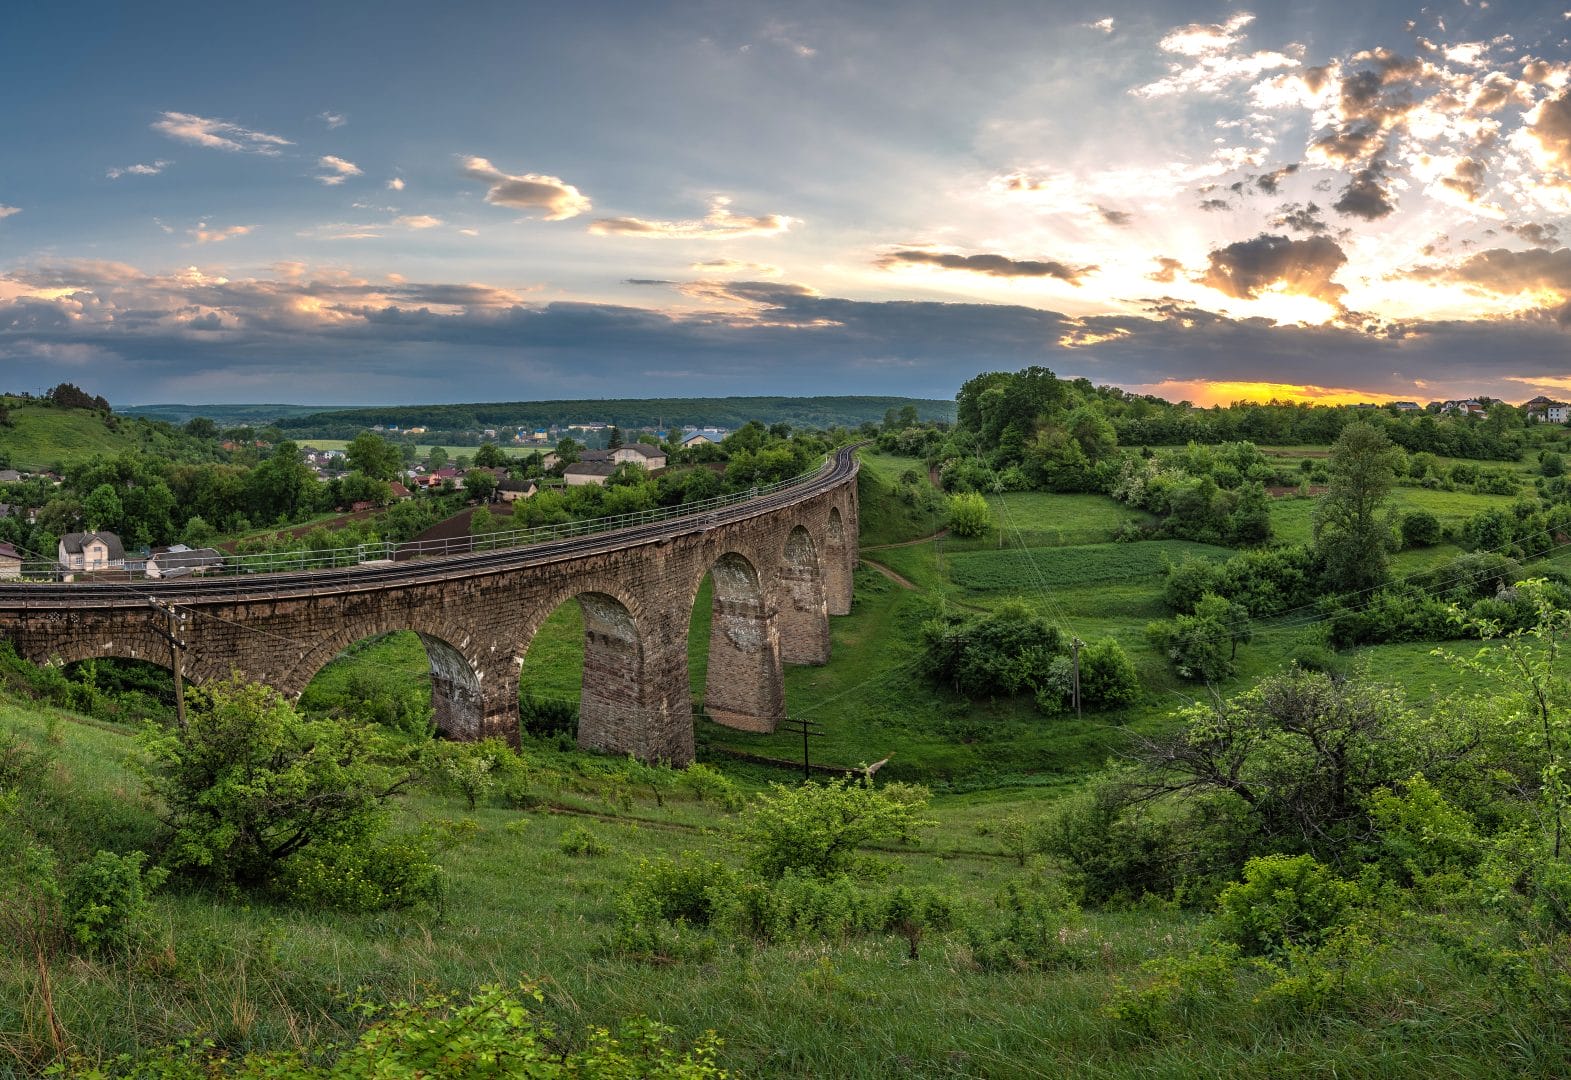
1540	234
368	345
1305	267
1300	217
1213	205
992	265
1365	195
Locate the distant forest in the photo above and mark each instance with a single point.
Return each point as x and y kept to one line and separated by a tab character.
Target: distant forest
728	412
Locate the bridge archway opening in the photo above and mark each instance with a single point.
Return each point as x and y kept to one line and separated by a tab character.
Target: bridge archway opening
551	678
122	688
406	679
734	647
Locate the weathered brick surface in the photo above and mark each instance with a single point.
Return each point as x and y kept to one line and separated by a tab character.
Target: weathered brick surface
777	576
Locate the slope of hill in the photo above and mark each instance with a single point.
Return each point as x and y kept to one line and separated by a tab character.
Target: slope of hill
43	436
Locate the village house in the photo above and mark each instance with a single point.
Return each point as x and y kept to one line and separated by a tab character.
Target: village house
178	560
588	472
1547	410
10	563
91	551
1467	407
10	476
511	490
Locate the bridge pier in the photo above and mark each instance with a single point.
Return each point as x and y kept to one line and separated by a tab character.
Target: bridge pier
635	696
804	615
743	688
840	559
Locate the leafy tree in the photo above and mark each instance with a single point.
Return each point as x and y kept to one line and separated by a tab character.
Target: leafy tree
614	439
101	509
815	829
437	458
1009	651
373	455
969	515
1233	619
1351	537
248	783
480	484
1108	679
1420	528
1551	464
200	427
490	456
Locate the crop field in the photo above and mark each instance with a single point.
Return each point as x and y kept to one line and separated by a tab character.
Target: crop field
1291	516
1032	569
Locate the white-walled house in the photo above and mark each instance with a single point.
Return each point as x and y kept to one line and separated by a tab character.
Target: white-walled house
91	551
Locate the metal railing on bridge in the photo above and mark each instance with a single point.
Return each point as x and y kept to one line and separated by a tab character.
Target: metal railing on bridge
385	551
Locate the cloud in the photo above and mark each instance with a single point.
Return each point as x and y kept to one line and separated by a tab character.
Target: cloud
734	266
1210	64
1248	268
529	191
991	265
1104	25
1467	179
1212	206
1365	195
218	134
1116	217
396	184
1167	269
1540	234
332	337
719	224
1541	275
205	235
7	211
1299	217
1550	126
1269	183
332	120
418	221
152	169
338	170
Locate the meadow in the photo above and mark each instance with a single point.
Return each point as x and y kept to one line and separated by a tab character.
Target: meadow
255	973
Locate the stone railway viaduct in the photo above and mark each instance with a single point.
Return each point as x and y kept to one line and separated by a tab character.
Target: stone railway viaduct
781	564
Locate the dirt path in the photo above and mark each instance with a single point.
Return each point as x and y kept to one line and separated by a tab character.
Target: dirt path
941	533
898	579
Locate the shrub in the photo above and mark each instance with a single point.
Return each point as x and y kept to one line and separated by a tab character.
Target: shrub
815	829
1420	528
799	906
250	784
106	902
1108	679
911	913
969	515
580	841
1036	928
1007	652
396	872
1284	900
709	785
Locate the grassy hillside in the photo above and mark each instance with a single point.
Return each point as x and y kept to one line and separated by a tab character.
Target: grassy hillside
41	437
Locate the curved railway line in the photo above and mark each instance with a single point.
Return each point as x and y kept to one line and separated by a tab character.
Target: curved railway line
288	584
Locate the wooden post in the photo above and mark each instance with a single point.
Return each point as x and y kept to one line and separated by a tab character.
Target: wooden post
1076	643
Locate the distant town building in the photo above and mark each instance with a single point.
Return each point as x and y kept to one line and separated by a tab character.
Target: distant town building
10	563
178	560
90	551
511	490
588	472
1407	406
1547	410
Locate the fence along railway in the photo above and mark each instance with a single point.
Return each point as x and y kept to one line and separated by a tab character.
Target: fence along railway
780	564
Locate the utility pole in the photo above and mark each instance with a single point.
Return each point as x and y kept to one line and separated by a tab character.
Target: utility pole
1076	643
173	633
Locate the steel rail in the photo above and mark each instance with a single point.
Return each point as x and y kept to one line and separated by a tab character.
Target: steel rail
361	578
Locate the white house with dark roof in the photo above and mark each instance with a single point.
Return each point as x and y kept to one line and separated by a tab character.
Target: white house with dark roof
10	563
178	560
91	551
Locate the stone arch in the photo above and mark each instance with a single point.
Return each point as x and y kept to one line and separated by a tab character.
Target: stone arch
463	705
634	695
743	688
804	614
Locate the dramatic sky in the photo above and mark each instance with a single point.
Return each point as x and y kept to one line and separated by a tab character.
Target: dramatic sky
402	202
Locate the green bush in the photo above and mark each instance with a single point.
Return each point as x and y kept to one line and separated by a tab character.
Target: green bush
395	872
106	902
1284	900
798	906
1420	528
969	515
815	829
580	841
1108	679
1035	929
249	784
709	785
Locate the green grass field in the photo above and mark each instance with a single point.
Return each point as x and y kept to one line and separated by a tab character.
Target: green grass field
41	437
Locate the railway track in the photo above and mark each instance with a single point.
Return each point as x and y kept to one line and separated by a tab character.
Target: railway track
289	584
